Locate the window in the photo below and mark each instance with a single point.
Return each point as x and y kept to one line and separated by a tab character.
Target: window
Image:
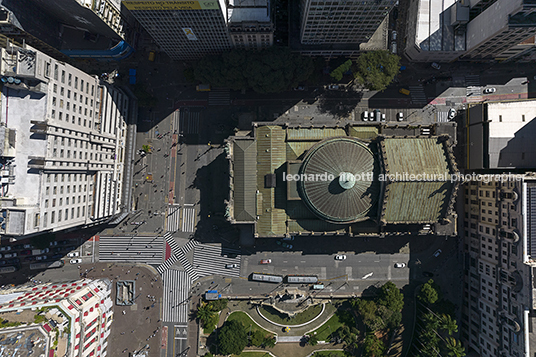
56	72
52	217
69	83
75	82
62	81
68	93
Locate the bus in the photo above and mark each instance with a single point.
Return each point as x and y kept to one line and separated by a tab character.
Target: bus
268	278
10	269
47	265
302	279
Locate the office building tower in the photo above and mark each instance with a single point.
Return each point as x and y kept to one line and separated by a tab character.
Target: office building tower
498	312
77	316
62	145
250	23
185	30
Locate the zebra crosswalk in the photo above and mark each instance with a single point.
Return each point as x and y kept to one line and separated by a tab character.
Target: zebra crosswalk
442	117
176	289
219	96
211	260
148	250
188	268
173	218
188	219
418	96
167	264
186	121
472	80
172	243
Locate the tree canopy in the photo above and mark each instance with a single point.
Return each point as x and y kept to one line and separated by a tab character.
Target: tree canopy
376	69
391	297
272	70
373	347
232	338
338	72
428	294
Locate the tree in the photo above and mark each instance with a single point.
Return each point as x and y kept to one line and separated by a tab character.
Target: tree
373	346
367	309
218	305
204	312
391	297
455	348
376	69
338	72
428	293
312	340
448	324
258	338
232	338
269	342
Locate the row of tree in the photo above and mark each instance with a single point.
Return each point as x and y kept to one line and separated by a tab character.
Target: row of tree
207	313
233	338
434	329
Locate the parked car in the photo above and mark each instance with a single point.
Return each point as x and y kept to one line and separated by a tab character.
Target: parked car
452	113
30	258
300	88
365	115
340	257
13	261
286	245
334	87
5	248
437	252
27	246
393	35
436	65
75	261
41	257
400	116
230	266
53	244
10	255
265	261
289	238
490	90
73	254
400	265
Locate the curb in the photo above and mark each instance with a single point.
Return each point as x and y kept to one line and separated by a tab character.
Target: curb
300	325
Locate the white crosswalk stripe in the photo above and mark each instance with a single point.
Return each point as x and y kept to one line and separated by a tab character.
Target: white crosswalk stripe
211	260
474	91
167	264
188	246
148	250
172	243
219	96
189	121
187	266
175	303
472	80
418	96
173	218
188	219
442	117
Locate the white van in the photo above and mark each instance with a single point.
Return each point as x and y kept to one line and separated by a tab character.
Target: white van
365	115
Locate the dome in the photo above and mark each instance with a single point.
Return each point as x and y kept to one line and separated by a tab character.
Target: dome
338	180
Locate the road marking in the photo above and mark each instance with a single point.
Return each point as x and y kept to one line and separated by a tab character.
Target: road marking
302	261
285	261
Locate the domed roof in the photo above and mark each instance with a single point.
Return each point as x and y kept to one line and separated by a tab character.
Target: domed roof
339	180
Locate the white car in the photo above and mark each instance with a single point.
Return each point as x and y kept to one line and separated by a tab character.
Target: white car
340	257
230	266
400	265
73	254
452	113
75	261
436	65
437	252
490	90
400	116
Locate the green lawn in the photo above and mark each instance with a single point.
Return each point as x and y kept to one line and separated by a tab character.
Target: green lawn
247	321
253	354
329	354
273	315
326	329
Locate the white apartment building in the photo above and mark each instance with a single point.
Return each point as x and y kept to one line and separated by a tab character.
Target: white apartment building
62	145
498	312
83	306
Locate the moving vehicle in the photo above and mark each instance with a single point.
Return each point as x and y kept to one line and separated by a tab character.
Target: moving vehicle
230	266
490	90
437	252
40	251
404	91
268	278
286	245
452	113
73	254
203	88
340	257
289	238
436	65
10	269
10	255
41	257
5	248
301	279
334	87
75	261
265	261
365	115
400	265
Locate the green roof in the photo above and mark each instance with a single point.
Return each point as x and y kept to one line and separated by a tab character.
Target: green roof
271	154
314	134
245	179
415	156
363	132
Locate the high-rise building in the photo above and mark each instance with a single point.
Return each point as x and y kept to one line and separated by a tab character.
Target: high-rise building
62	145
473	30
185	30
341	22
250	23
499	308
77	28
80	312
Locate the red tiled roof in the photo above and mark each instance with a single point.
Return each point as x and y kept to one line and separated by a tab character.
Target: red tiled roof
47	327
